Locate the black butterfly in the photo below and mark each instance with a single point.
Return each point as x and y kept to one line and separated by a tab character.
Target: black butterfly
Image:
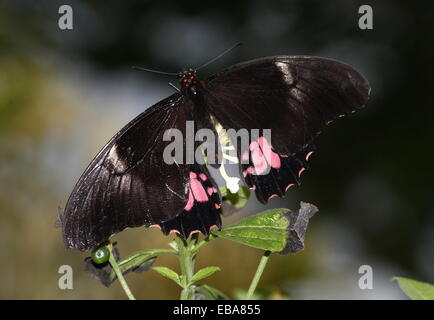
129	185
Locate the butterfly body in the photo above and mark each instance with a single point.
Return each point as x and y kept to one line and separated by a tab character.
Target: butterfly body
130	183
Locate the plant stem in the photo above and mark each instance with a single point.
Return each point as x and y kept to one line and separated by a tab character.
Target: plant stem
118	272
186	261
258	274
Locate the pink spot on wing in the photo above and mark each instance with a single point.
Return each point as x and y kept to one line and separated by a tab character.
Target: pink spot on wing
193	175
210	190
275	161
253	187
301	170
289	186
193	232
203	176
190	201
273	196
253	145
196	192
259	162
174	230
213	227
266	149
249	170
263	156
308	155
217	206
155	226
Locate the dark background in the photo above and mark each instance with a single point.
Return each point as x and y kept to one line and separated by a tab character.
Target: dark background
63	94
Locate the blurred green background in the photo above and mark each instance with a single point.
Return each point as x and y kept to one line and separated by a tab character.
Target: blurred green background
63	94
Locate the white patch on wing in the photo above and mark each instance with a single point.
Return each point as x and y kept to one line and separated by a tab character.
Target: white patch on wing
115	161
286	73
297	94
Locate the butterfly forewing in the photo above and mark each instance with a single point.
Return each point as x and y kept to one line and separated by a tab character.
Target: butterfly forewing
128	184
294	96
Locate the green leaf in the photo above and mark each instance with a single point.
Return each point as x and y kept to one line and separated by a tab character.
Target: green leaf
204	273
224	191
206	292
169	273
276	230
267	230
239	199
138	262
173	245
416	290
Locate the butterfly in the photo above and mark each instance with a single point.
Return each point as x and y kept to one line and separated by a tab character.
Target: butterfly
128	183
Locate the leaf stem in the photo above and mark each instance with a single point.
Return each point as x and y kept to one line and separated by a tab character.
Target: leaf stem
258	274
118	272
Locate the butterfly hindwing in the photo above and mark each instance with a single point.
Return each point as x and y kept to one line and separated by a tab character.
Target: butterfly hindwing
271	174
202	211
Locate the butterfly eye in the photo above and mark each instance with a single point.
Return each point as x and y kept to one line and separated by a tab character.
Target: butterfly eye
100	255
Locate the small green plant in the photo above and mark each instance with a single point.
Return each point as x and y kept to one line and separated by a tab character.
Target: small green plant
273	231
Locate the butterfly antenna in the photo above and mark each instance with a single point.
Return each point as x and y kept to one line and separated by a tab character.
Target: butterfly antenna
155	71
174	87
220	55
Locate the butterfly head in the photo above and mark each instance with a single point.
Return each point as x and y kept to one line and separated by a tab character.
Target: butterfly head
188	78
